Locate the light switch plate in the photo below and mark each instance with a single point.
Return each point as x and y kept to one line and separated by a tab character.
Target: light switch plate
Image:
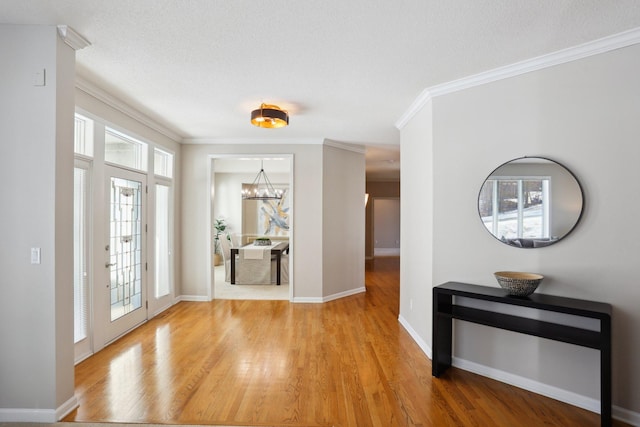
35	255
40	78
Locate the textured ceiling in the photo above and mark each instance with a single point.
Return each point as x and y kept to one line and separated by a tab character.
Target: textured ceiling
345	70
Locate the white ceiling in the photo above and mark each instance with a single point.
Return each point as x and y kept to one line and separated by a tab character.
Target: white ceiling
345	69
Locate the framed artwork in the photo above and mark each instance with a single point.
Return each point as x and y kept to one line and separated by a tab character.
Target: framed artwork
273	215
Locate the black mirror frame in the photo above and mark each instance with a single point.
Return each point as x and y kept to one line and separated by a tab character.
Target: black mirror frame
541	158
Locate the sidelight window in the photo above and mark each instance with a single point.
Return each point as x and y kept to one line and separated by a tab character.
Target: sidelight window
80	254
162	285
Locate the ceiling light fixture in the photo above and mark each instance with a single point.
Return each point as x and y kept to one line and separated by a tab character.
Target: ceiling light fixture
261	188
269	116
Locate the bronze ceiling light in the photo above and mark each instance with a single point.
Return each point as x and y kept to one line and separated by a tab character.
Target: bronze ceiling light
269	116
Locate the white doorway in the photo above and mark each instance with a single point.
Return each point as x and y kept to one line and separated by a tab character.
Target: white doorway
125	265
386	226
229	175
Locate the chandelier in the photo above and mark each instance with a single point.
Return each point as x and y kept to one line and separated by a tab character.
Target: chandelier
261	188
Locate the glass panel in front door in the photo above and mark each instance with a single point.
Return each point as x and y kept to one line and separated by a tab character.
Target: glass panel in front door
125	247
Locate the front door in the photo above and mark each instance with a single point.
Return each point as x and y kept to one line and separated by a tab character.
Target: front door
125	263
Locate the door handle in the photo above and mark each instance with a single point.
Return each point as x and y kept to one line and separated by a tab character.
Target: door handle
107	265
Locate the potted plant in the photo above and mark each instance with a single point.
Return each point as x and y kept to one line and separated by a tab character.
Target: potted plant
220	226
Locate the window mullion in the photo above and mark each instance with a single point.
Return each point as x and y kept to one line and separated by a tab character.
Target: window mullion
495	211
520	208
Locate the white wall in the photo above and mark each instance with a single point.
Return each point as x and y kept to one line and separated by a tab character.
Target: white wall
319	216
343	221
196	227
36	169
585	115
416	227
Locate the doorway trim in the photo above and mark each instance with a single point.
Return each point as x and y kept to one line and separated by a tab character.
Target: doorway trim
209	214
389	252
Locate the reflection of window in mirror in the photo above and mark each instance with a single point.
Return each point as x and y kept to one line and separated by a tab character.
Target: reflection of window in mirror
516	207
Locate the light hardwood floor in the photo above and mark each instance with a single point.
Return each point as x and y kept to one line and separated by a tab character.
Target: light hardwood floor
273	363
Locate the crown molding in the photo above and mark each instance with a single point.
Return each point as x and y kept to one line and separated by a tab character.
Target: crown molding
72	38
361	149
603	45
344	146
113	102
253	141
422	99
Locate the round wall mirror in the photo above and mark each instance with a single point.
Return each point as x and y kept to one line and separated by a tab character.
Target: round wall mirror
530	202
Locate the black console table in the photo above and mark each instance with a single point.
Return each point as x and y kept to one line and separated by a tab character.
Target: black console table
445	310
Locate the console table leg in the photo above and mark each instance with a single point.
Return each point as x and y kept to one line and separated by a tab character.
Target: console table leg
442	332
605	373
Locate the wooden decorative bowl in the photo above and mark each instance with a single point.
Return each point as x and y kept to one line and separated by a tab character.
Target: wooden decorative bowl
518	283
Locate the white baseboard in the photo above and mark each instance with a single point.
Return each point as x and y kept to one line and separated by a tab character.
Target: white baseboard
66	408
626	415
344	294
421	343
193	298
320	300
18	415
314	300
575	399
310	300
386	252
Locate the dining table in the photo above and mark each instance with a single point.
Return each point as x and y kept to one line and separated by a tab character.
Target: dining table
276	252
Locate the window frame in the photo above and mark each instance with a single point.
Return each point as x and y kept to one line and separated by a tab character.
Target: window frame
128	137
495	214
171	164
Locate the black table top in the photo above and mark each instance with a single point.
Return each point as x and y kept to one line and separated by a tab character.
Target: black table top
555	303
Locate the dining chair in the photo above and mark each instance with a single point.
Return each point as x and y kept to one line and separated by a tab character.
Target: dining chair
236	240
225	245
254	266
284	269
